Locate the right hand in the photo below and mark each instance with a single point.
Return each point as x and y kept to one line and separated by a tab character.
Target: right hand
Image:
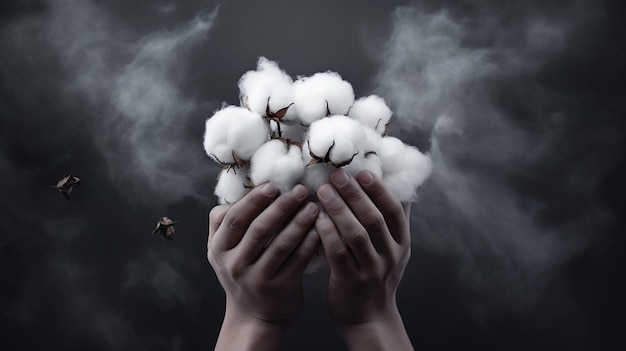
365	234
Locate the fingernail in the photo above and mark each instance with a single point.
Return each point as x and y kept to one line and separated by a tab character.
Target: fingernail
298	192
340	177
322	214
365	177
269	189
326	192
310	209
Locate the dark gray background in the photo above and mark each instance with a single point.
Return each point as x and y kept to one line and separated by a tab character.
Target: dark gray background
517	236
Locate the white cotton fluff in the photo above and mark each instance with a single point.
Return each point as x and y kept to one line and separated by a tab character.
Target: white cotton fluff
404	167
234	129
311	95
370	162
293	130
267	83
338	136
368	158
275	162
316	175
232	185
372	112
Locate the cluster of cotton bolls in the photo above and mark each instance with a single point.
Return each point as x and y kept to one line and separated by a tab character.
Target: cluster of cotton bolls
290	132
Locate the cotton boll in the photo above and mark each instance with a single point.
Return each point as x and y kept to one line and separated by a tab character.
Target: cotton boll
372	112
316	175
232	185
235	130
370	162
368	158
267	86
320	93
335	140
404	167
278	163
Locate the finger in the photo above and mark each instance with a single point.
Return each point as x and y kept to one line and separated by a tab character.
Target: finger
216	216
295	266
339	257
389	205
351	230
364	209
285	243
241	214
266	224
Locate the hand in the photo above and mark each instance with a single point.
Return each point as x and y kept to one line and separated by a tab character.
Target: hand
261	273
365	234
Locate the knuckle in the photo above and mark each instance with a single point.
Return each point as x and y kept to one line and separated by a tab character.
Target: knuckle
376	190
285	205
257	198
373	220
303	221
258	231
335	209
235	221
238	271
352	193
340	255
358	240
281	248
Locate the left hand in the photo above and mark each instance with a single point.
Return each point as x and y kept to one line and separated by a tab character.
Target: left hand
262	273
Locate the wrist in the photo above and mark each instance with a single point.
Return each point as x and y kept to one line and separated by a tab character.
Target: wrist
242	331
384	331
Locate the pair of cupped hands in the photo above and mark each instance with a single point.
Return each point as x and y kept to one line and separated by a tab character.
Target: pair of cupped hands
260	247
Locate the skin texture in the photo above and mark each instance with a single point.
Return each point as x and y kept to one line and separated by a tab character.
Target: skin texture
261	273
365	233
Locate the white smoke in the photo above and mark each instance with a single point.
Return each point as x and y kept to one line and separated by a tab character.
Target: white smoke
143	117
479	203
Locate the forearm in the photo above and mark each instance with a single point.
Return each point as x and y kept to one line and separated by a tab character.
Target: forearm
241	332
384	333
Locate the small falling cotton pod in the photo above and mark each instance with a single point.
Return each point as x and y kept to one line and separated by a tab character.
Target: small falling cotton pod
279	162
233	134
67	185
321	95
165	227
268	87
232	186
335	140
404	167
372	112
